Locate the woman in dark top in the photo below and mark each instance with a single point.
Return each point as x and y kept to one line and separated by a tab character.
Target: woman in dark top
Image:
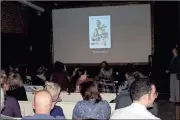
16	88
78	78
59	76
12	107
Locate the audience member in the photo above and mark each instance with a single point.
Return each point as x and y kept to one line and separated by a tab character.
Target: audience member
123	99
77	79
174	70
42	105
92	106
143	93
79	66
54	89
16	88
12	107
3	117
40	78
105	79
59	76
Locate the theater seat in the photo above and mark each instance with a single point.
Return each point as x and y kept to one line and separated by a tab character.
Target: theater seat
26	108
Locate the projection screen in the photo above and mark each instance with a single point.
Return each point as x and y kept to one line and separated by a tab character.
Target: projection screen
116	34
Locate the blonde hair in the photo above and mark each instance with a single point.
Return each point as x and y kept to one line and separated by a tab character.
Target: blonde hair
15	81
53	88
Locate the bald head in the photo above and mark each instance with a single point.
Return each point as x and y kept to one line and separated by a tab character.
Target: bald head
43	102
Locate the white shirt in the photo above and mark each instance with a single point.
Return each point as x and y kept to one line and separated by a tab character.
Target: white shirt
134	111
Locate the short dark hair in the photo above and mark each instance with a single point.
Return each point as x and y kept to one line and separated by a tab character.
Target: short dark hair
89	91
106	65
140	87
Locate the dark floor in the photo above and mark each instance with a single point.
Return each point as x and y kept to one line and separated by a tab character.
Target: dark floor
166	110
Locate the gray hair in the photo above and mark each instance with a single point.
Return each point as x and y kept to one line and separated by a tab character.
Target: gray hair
54	89
2	99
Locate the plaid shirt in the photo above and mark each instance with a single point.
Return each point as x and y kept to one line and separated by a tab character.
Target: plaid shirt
106	86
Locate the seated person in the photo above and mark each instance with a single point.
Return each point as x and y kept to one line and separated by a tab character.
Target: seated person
143	93
43	106
3	117
123	98
54	89
12	107
104	80
92	106
16	88
39	79
60	76
77	79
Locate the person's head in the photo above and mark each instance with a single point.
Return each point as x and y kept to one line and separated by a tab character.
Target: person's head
59	66
54	89
80	74
137	75
4	81
15	81
175	51
2	100
143	91
90	91
41	70
43	102
130	78
104	65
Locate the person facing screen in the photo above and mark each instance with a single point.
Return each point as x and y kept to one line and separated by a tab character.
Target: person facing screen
92	106
55	90
143	93
77	79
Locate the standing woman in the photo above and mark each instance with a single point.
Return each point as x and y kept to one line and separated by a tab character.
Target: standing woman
174	77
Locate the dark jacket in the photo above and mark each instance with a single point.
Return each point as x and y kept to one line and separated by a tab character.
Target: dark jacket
175	65
19	93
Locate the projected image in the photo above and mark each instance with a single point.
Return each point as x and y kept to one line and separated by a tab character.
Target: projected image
99	32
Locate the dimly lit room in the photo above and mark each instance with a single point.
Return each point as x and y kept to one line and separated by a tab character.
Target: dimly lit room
90	60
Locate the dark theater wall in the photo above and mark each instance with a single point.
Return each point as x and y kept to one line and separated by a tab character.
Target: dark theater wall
166	37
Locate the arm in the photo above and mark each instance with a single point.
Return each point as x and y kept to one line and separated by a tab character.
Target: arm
107	109
16	109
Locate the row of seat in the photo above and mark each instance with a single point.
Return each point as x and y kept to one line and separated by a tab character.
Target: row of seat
27	110
75	97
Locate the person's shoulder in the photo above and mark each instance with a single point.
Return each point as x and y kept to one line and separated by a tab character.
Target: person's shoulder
10	99
80	102
59	118
105	103
115	114
58	107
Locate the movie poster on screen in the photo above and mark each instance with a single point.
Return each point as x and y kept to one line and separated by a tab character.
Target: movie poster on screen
99	32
